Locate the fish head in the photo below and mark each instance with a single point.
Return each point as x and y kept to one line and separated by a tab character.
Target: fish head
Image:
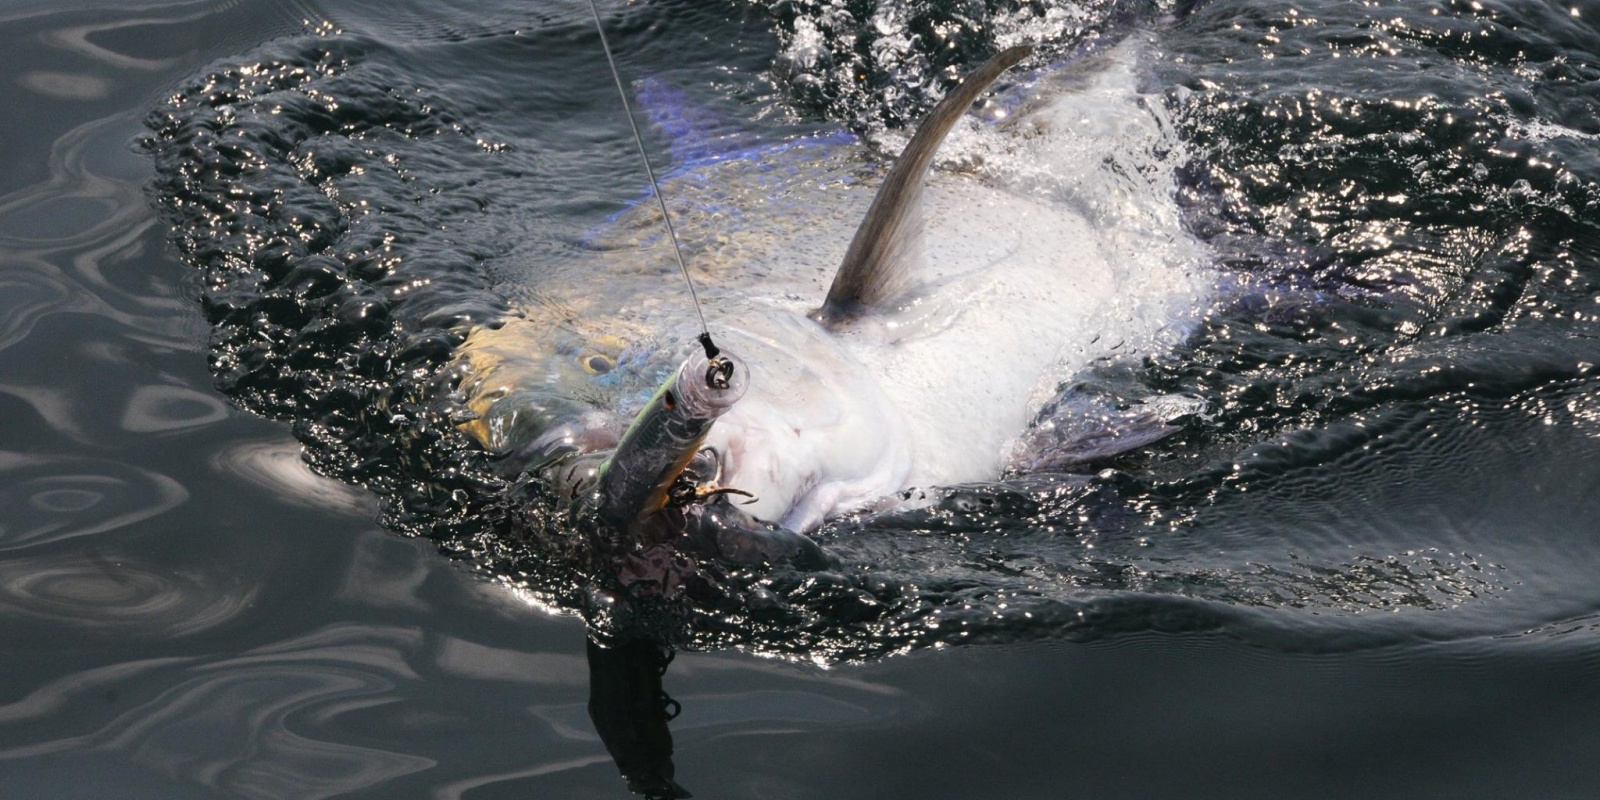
543	388
637	427
801	430
662	481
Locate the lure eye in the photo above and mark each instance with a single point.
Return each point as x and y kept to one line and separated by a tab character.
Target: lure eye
597	364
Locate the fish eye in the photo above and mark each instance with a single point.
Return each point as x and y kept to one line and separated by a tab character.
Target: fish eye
597	364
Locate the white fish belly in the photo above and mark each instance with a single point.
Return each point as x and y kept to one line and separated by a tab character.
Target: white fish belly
1015	280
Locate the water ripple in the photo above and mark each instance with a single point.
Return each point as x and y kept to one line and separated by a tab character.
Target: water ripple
277	466
27	297
53	405
267	724
387	572
118	595
161	408
62	692
51	499
482	662
60	235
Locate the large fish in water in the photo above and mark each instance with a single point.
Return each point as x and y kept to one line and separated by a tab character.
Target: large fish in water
931	356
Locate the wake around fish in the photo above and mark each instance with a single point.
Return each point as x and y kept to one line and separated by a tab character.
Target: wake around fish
1042	240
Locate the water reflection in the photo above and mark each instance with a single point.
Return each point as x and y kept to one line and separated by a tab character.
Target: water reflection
47	500
66	85
276	466
302	698
630	711
162	408
717	702
117	595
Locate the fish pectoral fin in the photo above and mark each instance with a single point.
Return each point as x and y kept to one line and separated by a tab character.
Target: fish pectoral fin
877	264
1077	431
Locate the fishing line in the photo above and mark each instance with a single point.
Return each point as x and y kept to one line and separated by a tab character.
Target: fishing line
655	188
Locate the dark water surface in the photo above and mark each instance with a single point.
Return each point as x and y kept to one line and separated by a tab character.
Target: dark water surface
1369	573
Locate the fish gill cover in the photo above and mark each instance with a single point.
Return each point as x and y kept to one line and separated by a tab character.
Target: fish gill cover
1413	275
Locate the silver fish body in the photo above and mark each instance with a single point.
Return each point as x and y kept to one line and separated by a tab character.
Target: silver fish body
932	358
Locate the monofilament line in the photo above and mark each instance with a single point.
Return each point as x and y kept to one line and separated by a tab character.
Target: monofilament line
655	188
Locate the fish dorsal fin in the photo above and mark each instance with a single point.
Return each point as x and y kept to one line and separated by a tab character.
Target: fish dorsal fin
874	268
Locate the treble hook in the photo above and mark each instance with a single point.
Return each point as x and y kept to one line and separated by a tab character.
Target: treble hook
687	492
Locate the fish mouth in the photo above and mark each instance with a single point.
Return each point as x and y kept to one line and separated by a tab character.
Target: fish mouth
701	516
658	482
705	518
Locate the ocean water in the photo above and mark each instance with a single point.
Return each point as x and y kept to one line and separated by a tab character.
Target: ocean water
244	553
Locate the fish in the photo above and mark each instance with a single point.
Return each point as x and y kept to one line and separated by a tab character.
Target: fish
931	356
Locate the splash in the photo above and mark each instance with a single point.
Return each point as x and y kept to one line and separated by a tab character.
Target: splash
1403	286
